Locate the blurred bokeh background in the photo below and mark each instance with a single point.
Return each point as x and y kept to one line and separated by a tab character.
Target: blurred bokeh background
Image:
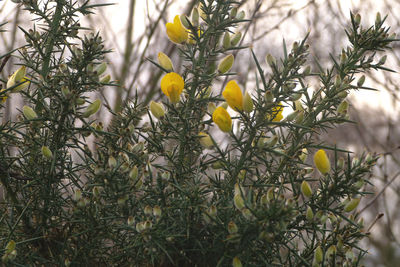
135	30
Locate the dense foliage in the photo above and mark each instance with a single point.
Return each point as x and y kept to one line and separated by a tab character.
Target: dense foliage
191	181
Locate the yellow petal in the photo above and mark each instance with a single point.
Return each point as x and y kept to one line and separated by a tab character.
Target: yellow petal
176	32
277	113
233	95
321	161
172	85
222	118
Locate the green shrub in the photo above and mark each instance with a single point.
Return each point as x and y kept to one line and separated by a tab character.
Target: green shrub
188	182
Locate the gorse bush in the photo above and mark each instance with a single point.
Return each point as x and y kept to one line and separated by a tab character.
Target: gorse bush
208	177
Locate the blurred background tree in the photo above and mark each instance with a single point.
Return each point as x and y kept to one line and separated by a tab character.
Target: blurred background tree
135	29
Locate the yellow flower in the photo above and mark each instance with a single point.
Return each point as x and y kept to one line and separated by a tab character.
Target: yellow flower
205	140
18	77
192	39
277	112
176	32
233	95
172	86
321	161
222	118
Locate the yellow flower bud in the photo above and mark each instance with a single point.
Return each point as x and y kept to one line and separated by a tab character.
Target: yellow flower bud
269	97
205	92
340	163
236	262
306	189
217	165
307	70
122	200
270	194
172	85
157	211
352	205
241	15
92	108
303	155
10	246
238	189
247	214
184	21
212	211
318	255
248	104
292	116
205	140
211	107
342	108
357	19
133	174
233	13
165	61
236	38
330	252
80	101
100	69
96	191
382	60
378	18
321	161
105	79
195	17
361	81
112	162
298	105
148	211
20	73
270	60
77	195
47	152
176	32
295	96
343	93
140	227
226	63
29	113
18	77
238	201
232	227
233	95
66	92
157	109
131	220
226	42
222	118
309	214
